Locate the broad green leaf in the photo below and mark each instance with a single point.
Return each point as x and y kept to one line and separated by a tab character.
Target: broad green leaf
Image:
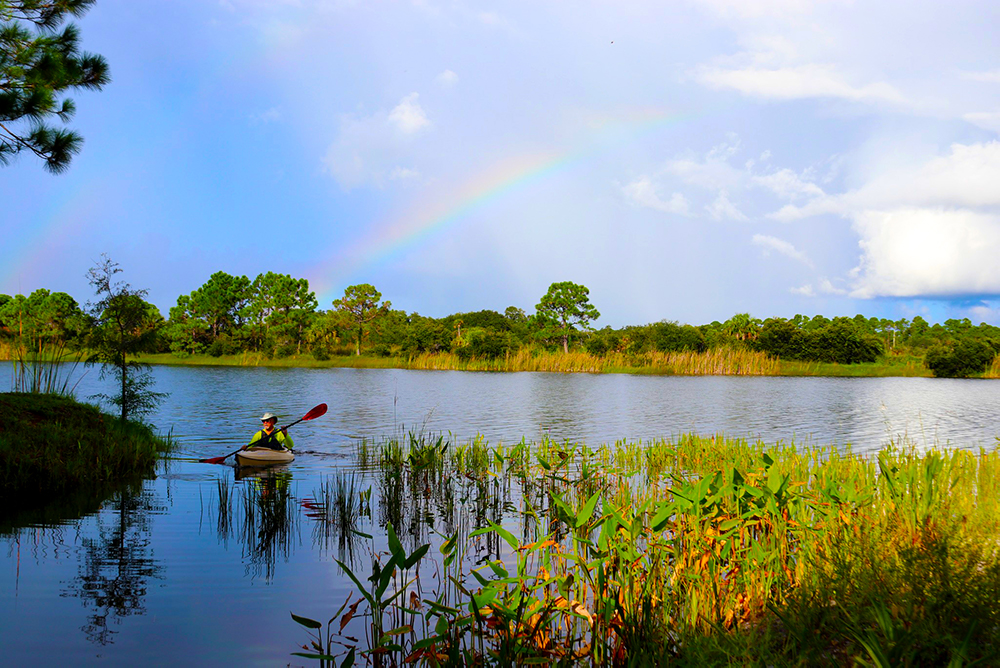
416	556
427	642
394	545
587	510
306	622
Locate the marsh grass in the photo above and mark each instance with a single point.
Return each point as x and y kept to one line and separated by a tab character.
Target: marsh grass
717	361
721	361
694	551
52	445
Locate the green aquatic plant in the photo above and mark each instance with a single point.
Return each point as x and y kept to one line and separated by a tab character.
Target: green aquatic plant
697	551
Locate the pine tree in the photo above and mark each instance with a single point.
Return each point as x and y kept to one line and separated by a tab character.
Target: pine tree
38	63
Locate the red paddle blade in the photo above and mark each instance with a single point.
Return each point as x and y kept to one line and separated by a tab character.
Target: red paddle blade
212	460
315	413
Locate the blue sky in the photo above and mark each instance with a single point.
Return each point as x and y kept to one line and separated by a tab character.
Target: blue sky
684	160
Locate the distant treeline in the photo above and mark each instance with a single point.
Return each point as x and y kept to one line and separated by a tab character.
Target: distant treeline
276	315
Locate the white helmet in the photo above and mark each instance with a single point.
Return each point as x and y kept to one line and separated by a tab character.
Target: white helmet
268	416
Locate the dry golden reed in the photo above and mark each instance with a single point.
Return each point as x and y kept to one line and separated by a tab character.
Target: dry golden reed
716	362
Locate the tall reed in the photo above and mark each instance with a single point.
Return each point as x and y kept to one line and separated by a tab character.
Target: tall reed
718	361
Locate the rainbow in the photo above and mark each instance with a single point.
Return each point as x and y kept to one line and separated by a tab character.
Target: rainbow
64	216
390	239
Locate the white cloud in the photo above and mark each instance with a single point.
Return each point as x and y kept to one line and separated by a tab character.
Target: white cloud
927	252
928	228
368	149
966	177
446	79
644	192
408	115
802	81
805	291
781	246
988	120
723	209
827	287
786	184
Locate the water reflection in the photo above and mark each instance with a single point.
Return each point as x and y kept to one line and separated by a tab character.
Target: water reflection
336	509
116	565
259	511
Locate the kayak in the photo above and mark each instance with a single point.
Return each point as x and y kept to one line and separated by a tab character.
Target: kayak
263	457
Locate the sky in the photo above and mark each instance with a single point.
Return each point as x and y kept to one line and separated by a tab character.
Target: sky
684	160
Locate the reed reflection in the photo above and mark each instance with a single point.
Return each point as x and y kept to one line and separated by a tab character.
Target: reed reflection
259	511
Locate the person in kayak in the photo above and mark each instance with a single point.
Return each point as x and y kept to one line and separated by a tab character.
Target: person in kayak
269	436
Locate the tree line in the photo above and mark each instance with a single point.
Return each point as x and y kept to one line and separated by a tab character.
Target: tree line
277	315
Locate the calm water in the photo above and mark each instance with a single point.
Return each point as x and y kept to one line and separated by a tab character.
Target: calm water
161	576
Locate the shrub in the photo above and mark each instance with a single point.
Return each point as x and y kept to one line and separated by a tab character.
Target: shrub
484	344
969	356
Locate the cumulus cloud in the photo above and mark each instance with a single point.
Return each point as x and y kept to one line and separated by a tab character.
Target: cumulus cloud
805	291
927	252
926	229
769	244
643	192
368	149
408	116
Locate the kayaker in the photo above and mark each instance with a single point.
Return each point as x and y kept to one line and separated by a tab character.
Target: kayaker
269	436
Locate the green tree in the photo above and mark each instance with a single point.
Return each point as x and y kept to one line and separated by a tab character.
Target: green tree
563	308
294	310
360	304
125	325
219	302
43	318
38	63
742	327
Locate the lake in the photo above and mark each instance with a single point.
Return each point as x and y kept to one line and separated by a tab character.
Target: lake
185	570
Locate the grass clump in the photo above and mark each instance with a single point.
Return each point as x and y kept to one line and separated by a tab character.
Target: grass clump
52	444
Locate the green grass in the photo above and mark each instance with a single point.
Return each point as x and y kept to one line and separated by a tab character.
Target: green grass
53	445
890	366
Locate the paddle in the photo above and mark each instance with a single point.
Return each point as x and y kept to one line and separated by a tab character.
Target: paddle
311	415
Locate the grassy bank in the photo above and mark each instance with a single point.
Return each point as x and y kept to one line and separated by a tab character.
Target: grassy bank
721	362
51	444
700	551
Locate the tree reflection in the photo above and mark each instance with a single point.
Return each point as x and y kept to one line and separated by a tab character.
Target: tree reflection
117	565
